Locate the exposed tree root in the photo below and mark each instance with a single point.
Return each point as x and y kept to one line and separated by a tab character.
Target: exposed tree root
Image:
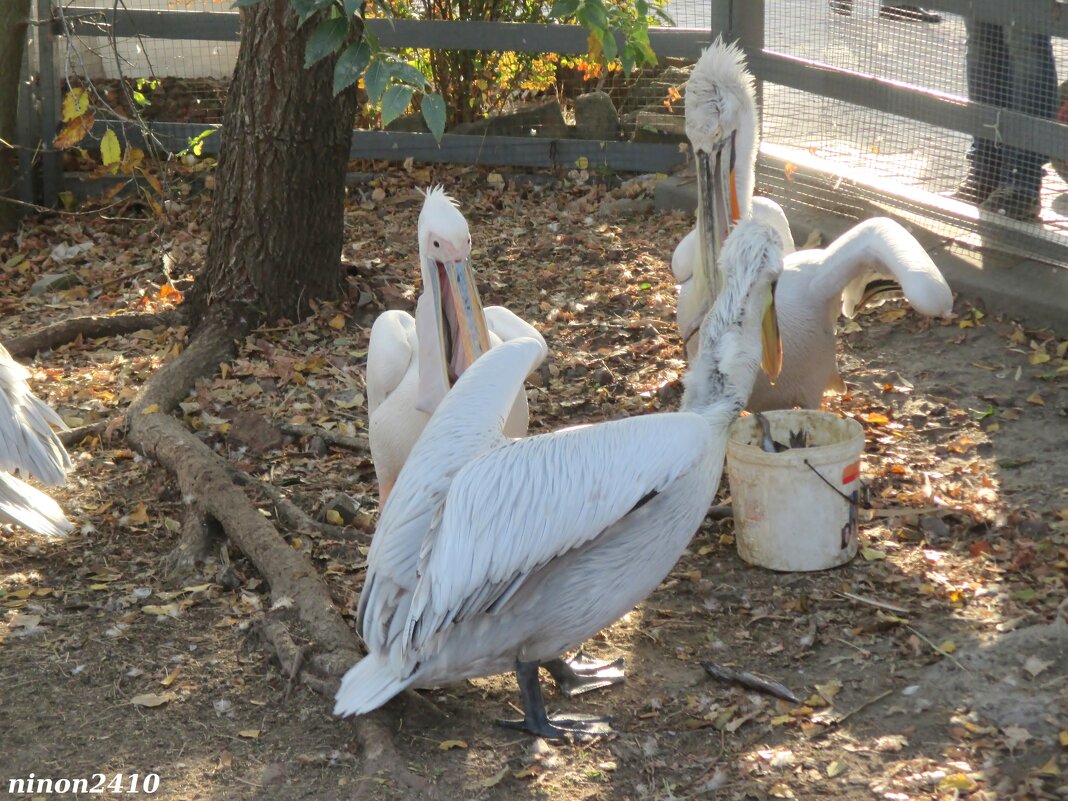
206	481
91	327
292	515
329	437
200	536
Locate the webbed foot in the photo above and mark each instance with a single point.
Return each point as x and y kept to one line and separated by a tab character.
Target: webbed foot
582	674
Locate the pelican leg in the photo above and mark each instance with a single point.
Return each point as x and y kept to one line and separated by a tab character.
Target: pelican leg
538	722
581	674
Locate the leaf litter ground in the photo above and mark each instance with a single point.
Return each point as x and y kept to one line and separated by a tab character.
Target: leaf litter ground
900	656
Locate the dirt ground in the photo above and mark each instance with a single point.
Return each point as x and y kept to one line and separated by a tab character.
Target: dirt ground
931	666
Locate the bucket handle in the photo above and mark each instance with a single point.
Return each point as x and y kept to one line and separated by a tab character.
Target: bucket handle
849	530
852	499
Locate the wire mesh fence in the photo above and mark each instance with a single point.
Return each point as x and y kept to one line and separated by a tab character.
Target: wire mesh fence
537	86
1011	67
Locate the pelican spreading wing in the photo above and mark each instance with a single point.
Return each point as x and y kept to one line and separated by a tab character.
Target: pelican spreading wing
30	446
860	266
496	554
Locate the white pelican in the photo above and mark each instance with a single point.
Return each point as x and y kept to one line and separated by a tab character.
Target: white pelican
496	554
28	444
412	362
721	123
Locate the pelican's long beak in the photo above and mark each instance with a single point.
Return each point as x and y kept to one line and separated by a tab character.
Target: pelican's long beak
717	211
771	350
462	332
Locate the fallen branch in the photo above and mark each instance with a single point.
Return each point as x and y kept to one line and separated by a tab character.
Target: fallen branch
750	680
328	436
90	327
838	721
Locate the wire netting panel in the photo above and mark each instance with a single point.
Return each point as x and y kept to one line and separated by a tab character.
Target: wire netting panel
1008	69
192	74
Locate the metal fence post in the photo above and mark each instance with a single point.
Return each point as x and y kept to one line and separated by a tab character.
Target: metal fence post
747	26
26	126
48	95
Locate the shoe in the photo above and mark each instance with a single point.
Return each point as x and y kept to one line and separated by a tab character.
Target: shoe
909	14
1014	203
842	6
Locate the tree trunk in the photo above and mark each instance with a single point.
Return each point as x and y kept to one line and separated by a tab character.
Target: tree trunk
14	15
277	222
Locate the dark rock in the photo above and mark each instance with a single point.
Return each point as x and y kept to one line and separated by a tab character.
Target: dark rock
409	123
544	120
252	431
53	282
936	529
596	117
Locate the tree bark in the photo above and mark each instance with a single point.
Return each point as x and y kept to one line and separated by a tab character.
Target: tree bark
14	16
277	224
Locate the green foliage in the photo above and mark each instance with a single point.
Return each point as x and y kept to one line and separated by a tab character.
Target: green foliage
340	33
612	22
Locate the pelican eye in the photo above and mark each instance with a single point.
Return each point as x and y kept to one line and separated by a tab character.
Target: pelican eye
437	244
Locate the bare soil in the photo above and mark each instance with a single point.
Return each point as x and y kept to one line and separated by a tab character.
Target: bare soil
928	666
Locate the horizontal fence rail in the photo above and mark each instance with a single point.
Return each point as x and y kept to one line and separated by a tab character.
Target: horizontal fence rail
524	37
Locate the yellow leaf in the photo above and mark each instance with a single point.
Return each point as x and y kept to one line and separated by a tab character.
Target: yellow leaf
150	409
788	170
338	322
152	699
891	315
876	419
1051	768
829	690
947	646
110	149
450	744
1038	357
836	768
490	781
168	680
74	131
249	734
334	518
297	543
582	163
1063	738
75	104
1035	399
167	610
873	554
958	781
594	45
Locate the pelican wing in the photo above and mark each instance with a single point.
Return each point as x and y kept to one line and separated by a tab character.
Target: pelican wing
27	441
507	325
873	249
518	507
389	355
468	423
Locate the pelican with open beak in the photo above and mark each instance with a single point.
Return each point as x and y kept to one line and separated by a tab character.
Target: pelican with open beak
863	266
412	362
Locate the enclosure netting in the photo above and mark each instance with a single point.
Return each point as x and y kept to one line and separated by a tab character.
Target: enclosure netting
870	150
192	74
882	150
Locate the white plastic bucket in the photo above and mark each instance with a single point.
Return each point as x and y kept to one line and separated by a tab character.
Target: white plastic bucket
796	509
